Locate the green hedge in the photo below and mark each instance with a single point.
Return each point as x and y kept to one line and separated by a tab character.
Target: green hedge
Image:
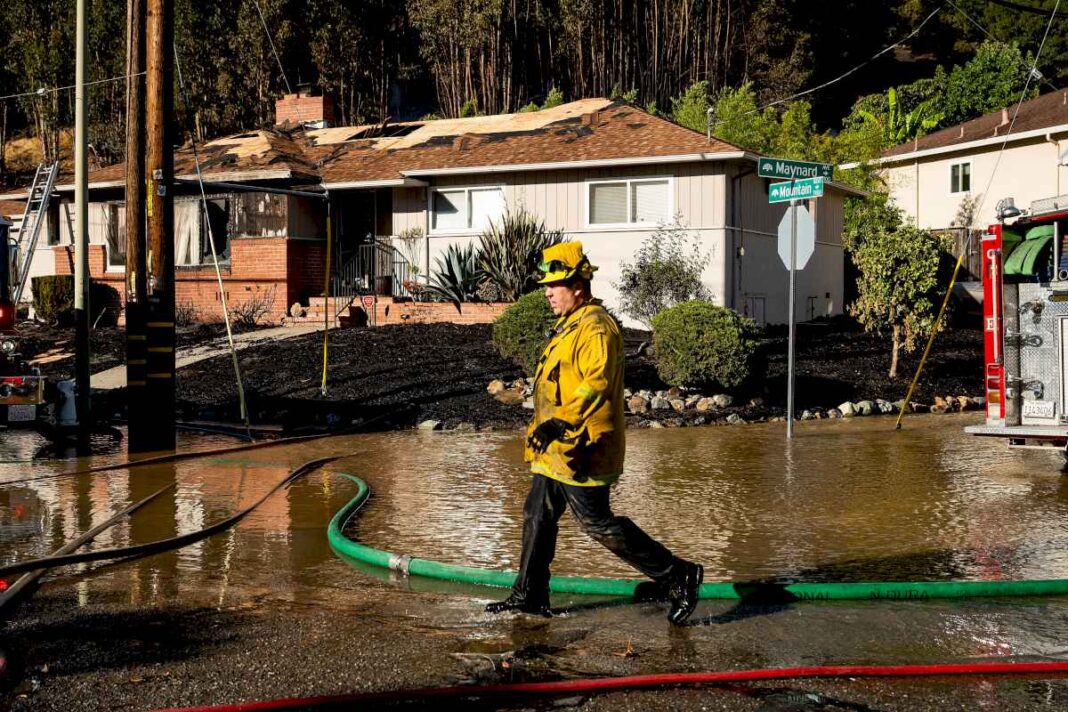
53	299
699	343
519	333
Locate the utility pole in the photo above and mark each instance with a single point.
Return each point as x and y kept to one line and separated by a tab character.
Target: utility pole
139	417
159	211
81	230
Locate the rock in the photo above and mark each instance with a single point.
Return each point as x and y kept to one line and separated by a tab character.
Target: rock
637	404
939	409
808	415
520	383
756	402
465	427
647	395
674	422
964	403
884	406
847	410
834	413
510	397
899	405
496	386
700	420
429	425
660	403
942	404
723	400
627	393
735	419
674	392
865	407
704	405
655	424
678	404
691	401
777	419
661	394
529	404
296	309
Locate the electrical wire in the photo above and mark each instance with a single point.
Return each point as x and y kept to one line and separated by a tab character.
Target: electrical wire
49	90
270	41
214	256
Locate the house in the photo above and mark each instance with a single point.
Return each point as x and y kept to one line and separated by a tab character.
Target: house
955	177
603	172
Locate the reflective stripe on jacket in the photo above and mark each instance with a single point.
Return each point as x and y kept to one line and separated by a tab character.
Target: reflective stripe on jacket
580	381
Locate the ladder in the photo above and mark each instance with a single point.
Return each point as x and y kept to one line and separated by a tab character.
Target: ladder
33	218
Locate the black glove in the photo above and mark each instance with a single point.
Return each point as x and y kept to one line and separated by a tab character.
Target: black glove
545	433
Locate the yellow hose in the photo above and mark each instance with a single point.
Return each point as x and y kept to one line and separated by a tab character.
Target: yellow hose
326	296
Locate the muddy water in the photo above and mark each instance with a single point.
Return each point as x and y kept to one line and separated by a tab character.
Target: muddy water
848	500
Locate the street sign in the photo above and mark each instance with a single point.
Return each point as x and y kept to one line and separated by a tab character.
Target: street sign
790	170
795	190
806	238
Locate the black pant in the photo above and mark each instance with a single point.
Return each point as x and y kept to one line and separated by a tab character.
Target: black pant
541	513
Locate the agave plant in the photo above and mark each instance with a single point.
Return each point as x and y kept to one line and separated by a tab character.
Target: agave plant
456	276
509	251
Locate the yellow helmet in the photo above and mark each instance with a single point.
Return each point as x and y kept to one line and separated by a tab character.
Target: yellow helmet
564	261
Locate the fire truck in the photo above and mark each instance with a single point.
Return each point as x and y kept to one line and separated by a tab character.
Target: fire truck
22	388
1025	323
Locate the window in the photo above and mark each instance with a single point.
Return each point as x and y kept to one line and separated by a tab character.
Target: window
465	209
114	220
629	202
960	177
196	228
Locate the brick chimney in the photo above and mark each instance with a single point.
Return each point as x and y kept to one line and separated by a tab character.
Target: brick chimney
304	108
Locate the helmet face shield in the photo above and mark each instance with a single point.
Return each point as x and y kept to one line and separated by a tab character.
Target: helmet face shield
563	261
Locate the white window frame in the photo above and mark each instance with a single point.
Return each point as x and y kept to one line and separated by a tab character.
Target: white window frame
630	181
971	176
430	230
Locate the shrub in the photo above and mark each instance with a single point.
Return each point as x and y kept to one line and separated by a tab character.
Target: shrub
456	276
53	298
665	272
700	343
252	311
519	333
509	250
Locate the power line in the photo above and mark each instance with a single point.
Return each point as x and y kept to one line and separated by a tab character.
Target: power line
840	77
270	41
1023	95
50	90
991	36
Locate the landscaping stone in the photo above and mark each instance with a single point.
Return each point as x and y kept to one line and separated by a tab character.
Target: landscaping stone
834	413
899	405
808	415
723	400
660	403
495	386
847	410
678	404
656	424
704	405
674	392
430	425
884	406
939	409
529	404
735	419
865	407
691	401
638	404
756	402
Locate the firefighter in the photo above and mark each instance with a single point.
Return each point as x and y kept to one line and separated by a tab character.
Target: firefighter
575	445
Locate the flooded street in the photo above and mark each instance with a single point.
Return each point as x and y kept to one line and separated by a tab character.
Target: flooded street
846	501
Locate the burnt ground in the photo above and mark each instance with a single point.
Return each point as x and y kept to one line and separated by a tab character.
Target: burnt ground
440	372
416	372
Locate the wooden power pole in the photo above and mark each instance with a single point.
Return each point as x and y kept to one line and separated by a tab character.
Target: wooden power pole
159	213
139	416
81	229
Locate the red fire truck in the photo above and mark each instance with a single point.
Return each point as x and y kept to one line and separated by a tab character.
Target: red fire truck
1025	322
22	389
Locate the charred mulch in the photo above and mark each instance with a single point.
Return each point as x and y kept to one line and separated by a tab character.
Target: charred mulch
406	374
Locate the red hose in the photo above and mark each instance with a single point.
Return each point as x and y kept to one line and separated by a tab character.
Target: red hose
612	684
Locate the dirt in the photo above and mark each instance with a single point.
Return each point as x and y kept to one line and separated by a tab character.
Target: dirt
440	372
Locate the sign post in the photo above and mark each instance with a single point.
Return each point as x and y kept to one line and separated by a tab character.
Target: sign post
797	238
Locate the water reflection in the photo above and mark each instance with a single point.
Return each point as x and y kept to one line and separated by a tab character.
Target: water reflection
845	501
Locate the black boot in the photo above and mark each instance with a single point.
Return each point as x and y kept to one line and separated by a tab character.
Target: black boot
683	588
522	602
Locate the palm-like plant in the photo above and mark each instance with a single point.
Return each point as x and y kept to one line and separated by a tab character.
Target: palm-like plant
900	125
456	276
509	251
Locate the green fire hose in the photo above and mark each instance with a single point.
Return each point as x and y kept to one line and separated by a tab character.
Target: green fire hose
897	590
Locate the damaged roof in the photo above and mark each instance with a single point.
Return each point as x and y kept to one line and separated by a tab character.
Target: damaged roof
1038	114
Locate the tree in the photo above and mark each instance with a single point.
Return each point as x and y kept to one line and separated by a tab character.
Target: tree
690	109
666	271
991	80
899	125
737	120
899	268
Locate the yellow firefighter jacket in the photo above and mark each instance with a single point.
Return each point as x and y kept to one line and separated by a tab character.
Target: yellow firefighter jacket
580	381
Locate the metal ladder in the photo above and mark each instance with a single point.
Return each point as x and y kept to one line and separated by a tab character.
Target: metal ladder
33	218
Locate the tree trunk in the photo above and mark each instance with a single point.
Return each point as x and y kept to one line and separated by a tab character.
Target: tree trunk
896	349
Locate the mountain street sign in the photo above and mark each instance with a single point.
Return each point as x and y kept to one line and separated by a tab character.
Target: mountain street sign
795	190
806	238
790	170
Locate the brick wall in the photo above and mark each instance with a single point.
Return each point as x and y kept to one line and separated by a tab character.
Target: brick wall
389	312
